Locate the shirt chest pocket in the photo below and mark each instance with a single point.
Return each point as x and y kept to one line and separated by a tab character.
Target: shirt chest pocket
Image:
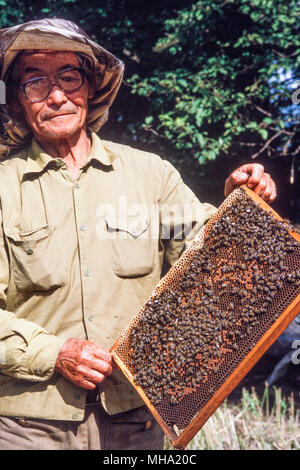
131	247
33	259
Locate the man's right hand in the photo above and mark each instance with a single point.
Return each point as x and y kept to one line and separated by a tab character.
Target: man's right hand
84	363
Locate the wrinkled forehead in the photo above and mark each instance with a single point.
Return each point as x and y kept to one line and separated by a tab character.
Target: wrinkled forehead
44	59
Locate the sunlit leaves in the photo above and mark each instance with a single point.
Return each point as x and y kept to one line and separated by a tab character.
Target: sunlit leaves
203	78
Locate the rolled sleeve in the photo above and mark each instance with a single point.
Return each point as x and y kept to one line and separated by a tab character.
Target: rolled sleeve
28	351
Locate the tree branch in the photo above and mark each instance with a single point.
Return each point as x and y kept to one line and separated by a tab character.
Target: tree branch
260	109
149	129
266	144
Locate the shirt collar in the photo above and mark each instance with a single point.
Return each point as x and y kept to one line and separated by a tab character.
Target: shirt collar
38	159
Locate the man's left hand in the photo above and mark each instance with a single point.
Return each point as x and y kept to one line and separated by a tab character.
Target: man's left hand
252	175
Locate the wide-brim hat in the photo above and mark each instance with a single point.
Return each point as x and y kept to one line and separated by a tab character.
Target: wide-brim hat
61	35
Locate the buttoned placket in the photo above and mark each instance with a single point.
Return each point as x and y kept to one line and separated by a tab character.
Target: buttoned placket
81	228
82	231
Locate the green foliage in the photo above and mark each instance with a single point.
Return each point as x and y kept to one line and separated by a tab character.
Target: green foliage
204	79
225	86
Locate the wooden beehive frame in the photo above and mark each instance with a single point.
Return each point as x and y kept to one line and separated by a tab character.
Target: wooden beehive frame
181	440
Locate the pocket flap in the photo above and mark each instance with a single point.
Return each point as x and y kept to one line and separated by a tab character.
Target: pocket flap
19	235
135	224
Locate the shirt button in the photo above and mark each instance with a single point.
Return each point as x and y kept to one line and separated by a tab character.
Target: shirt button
77	185
37	372
74	416
87	273
29	251
83	228
76	396
90	318
59	163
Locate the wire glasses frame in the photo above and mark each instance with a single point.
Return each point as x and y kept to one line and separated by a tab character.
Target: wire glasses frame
39	88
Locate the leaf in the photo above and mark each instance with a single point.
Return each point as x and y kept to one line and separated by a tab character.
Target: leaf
148	120
200	139
182	82
263	133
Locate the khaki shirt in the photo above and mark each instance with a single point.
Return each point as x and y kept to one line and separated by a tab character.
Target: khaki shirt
78	258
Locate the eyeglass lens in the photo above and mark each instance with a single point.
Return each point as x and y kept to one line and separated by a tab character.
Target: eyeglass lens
39	88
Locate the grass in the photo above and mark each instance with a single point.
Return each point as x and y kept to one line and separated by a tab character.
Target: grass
270	422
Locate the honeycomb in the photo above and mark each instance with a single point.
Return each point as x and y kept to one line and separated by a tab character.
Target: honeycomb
213	315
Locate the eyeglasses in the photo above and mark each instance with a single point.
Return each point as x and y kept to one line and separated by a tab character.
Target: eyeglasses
39	88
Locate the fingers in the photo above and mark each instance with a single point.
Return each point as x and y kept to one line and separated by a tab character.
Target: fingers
254	176
266	188
255	172
92	353
273	194
88	377
92	368
101	353
84	363
84	383
239	177
236	179
97	365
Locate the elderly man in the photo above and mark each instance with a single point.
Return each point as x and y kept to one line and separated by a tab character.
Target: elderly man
82	243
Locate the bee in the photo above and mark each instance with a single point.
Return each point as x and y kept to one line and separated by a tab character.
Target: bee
173	400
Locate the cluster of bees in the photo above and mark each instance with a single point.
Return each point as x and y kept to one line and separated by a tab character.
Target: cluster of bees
187	334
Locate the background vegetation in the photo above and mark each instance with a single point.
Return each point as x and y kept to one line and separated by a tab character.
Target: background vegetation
208	83
267	422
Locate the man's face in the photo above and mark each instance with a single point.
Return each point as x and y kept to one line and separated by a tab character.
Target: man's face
61	114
